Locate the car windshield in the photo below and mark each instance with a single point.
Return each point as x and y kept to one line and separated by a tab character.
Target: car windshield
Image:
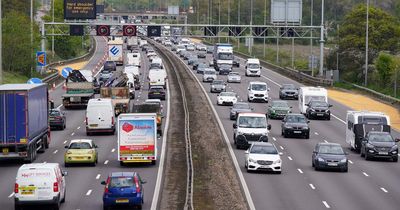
252	122
253	66
233	74
80	145
224	66
54	113
105	72
314	98
225	56
280	104
241	106
156	88
202	65
228	94
259	87
218	82
258	149
121	182
210	72
180	47
380	138
331	149
289	87
319	104
296	119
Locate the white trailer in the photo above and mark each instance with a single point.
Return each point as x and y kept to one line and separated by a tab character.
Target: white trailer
115	51
307	94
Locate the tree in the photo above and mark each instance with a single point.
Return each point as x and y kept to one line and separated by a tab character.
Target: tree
385	65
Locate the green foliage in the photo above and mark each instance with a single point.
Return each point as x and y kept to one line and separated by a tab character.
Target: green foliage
385	65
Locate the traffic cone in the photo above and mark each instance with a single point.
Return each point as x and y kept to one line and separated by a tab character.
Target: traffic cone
54	86
64	86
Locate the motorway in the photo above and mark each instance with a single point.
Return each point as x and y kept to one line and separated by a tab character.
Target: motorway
84	190
367	185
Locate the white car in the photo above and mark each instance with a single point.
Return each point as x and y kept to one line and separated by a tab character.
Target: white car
201	47
263	156
209	75
257	91
150	54
234	77
226	98
190	47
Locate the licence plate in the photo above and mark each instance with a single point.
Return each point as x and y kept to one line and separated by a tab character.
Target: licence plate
137	158
5	151
156	93
80	158
93	125
296	131
27	193
320	114
332	164
122	201
383	153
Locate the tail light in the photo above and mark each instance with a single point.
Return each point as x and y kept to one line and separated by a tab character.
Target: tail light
86	121
106	187
16	186
137	185
55	187
112	120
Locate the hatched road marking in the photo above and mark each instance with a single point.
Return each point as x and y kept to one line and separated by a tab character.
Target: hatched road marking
384	190
89	192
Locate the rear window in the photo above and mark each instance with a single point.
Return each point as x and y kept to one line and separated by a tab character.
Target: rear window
54	113
121	182
80	145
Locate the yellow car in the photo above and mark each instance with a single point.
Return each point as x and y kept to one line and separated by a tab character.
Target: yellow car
81	151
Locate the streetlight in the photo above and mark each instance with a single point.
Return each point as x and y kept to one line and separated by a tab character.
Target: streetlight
366	47
1	47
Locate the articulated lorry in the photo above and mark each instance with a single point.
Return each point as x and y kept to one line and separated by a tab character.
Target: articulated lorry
78	90
137	138
119	97
24	124
222	55
115	51
150	108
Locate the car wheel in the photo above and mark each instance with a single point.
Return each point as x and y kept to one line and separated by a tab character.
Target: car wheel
88	133
56	206
312	163
395	159
17	207
105	207
65	195
366	156
345	170
65	125
139	206
66	165
362	154
284	134
329	117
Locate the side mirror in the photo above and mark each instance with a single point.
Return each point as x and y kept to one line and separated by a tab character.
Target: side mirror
330	105
66	147
245	67
143	182
95	146
306	105
235	125
246	152
103	182
290	107
308	121
252	109
269	127
64	173
397	140
314	152
260	67
346	153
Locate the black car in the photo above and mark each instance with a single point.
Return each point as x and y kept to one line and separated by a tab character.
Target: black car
288	91
201	54
236	63
210	49
239	107
295	125
110	66
200	68
379	145
57	119
224	69
156	92
318	109
329	156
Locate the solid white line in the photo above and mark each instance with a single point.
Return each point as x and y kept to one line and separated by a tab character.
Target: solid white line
365	174
55	151
11	195
64	142
290	158
300	171
73	133
113	150
274	138
277	84
89	192
351	162
281	147
106	162
44	162
312	186
338	118
98	176
326	204
79	127
384	190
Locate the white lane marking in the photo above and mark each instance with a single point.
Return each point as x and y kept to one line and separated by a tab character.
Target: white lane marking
365	174
11	195
64	142
277	84
351	162
73	133
106	162
89	192
316	133
274	138
398	155
290	158
344	122
281	147
79	127
300	171
113	150
58	107
326	204
44	162
55	151
312	186
384	190
84	121
98	176
326	141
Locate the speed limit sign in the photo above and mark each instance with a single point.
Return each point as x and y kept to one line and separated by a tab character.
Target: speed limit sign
129	30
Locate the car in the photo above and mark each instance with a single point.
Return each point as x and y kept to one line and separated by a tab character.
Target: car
81	151
217	86
236	63
201	47
168	43
257	91
190	47
250	128
211	63
318	109
180	48
224	69
173	48
123	189
234	77
239	107
57	119
287	91
181	53
157	102
201	54
100	116
187	55
156	92
200	68
209	75
105	75
110	66
295	125
192	59
40	184
210	49
329	156
263	156
226	98
278	109
378	144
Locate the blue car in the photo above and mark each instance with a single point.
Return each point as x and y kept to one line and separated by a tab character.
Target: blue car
123	189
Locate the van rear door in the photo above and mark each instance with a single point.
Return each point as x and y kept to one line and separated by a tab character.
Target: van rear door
35	183
100	116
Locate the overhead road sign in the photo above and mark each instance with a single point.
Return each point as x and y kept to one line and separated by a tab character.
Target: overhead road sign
34	81
284	12
76	30
79	9
103	30
41	58
129	30
153	31
66	71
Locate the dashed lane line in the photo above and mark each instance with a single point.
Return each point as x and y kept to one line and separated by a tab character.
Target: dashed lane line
338	118
384	190
98	176
79	127
113	150
73	133
290	158
65	142
106	162
351	162
11	195
300	171
316	133
274	138
312	186
277	84
55	151
326	204
281	148
326	141
89	192
365	174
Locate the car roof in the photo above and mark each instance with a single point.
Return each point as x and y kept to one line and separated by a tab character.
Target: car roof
294	114
258	82
328	144
81	141
157	86
260	143
120	174
152	101
39	165
255	114
378	132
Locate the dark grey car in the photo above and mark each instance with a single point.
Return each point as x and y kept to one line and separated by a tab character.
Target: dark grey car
379	145
200	68
224	69
295	125
239	107
329	156
217	86
318	109
288	91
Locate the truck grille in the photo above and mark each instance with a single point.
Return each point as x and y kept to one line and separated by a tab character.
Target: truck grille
264	162
281	111
252	137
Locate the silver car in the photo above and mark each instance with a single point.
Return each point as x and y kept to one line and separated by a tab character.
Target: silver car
217	86
234	77
209	75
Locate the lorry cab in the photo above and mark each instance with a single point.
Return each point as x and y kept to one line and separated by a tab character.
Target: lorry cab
308	94
157	77
38	184
100	116
253	67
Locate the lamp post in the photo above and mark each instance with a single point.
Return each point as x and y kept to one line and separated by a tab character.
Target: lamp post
366	47
1	48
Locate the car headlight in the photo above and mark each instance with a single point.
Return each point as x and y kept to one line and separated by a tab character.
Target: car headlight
239	133
395	147
288	126
69	152
321	160
91	152
277	161
252	160
369	145
343	160
394	152
305	128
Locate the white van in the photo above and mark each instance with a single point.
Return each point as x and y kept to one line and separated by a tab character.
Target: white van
131	85
158	61
157	77
307	94
131	69
253	67
257	91
133	59
40	183
100	116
